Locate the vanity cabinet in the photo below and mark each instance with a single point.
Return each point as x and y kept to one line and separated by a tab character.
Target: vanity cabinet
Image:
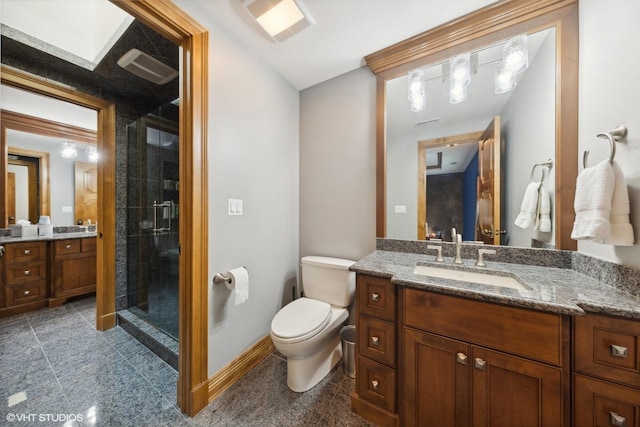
24	276
606	377
474	363
375	396
73	268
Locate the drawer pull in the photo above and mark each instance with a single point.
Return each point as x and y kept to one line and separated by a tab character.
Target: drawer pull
617	420
618	351
27	251
68	246
27	272
375	297
375	384
461	358
27	292
375	341
480	364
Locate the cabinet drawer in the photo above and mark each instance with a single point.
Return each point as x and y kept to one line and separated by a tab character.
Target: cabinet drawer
600	403
376	297
377	340
67	246
25	293
28	272
527	333
376	383
25	252
607	347
88	244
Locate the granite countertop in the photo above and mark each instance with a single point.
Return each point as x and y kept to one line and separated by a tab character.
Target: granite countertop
550	289
56	236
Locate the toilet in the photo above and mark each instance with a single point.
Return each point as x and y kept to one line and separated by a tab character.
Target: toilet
307	330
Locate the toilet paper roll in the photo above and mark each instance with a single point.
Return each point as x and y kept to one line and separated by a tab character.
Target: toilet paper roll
240	282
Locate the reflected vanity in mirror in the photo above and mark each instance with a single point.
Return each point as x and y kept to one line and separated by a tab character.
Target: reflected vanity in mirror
431	172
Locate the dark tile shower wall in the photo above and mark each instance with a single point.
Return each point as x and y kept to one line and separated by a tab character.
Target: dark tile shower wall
444	203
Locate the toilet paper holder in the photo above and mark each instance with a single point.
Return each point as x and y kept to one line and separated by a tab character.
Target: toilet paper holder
221	278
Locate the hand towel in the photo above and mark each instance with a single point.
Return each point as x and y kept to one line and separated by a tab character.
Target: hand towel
543	216
592	204
527	216
621	233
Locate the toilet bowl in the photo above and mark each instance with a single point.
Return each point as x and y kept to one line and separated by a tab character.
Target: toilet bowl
307	330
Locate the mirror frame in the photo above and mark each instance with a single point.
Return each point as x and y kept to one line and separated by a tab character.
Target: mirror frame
488	25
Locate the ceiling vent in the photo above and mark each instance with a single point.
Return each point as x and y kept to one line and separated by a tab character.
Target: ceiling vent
147	67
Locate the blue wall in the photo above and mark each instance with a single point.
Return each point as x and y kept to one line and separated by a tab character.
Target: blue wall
469	198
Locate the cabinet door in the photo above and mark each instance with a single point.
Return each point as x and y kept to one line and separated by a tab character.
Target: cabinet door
600	403
436	380
511	391
74	275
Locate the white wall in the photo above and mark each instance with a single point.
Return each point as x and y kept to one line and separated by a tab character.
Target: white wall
528	127
337	166
609	94
252	155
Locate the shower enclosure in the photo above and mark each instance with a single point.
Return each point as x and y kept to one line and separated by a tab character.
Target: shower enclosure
152	224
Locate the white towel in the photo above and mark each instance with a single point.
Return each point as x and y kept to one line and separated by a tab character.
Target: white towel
621	230
594	190
529	207
543	216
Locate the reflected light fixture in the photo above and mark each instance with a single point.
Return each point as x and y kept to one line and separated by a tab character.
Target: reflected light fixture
504	80
92	154
281	19
515	54
457	92
417	94
460	77
69	150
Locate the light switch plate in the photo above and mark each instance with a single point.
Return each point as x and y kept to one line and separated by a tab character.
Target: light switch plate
235	207
400	209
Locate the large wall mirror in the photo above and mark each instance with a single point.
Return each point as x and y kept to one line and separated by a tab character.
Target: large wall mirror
465	160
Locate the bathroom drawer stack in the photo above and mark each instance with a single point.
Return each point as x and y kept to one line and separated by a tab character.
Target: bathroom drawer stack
376	381
25	276
606	377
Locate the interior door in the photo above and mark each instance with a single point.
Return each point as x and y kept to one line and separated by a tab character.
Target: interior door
489	184
86	188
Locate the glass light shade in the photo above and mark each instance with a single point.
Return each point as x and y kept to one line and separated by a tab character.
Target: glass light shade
92	153
504	79
417	96
515	54
460	67
457	92
69	150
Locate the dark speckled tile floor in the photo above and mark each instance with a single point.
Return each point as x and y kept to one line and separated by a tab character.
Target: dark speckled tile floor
55	367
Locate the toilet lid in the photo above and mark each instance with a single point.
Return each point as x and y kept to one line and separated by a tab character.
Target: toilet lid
304	317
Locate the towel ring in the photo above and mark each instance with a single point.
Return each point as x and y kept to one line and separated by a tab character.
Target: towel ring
613	136
548	164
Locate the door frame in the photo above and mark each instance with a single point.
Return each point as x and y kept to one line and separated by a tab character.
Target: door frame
171	22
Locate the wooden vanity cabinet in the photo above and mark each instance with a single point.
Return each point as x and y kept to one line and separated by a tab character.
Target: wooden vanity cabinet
375	396
24	277
468	362
606	377
73	268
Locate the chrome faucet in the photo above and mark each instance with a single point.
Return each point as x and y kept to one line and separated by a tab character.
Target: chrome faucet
458	258
439	249
481	252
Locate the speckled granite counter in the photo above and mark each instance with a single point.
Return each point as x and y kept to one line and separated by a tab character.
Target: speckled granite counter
56	236
548	288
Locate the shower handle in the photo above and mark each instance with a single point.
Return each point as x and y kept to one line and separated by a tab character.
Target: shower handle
163	205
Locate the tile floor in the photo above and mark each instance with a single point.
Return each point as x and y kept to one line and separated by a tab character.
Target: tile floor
70	372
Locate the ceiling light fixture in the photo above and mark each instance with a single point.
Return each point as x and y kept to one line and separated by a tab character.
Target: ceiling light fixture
281	19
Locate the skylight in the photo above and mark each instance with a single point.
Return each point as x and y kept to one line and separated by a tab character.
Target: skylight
79	31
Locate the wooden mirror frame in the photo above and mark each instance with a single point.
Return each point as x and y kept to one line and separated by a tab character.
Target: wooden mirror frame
491	24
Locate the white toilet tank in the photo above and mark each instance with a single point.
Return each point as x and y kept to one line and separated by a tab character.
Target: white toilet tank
328	279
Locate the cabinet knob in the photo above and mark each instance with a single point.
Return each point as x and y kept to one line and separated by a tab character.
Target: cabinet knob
375	297
618	351
480	364
27	292
461	358
375	384
375	341
617	420
27	251
27	272
68	246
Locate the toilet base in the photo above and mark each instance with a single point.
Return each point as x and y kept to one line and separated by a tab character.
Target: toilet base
303	374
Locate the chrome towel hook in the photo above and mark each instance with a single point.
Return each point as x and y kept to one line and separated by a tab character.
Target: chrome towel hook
613	136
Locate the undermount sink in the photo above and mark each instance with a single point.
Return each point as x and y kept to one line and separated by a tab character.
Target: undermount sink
504	281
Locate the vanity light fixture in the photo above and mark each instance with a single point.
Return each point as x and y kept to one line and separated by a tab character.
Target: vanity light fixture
417	94
69	150
515	54
281	19
504	80
92	153
459	78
